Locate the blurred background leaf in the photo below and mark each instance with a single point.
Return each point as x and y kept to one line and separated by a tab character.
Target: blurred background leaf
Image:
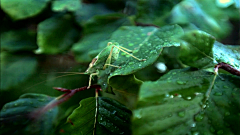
15	116
22	9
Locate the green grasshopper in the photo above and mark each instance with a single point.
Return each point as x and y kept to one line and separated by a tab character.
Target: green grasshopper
104	59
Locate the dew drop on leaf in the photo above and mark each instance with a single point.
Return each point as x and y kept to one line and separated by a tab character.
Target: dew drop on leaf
130	44
199	117
227	113
220	132
218	94
212	129
181	114
195	133
180	82
114	112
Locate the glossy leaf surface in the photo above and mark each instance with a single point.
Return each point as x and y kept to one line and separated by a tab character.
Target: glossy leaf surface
15	116
98	116
175	104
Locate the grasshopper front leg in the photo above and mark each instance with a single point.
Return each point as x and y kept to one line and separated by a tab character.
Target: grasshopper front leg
90	79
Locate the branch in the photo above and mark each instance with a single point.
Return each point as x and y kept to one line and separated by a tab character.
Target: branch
226	67
64	97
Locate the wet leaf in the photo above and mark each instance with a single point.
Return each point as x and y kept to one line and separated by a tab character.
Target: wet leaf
56	35
22	9
18	40
175	104
196	46
15	116
227	53
68	5
15	69
123	89
200	50
145	43
98	29
112	118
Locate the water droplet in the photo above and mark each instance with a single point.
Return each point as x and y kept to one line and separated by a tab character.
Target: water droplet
218	94
188	98
180	82
181	114
227	113
114	112
212	129
195	133
199	117
174	73
138	114
220	132
179	96
225	86
130	44
15	104
167	95
193	125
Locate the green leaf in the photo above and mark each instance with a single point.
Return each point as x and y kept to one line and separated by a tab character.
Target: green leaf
18	40
87	12
175	104
124	89
196	46
148	10
56	34
15	69
69	5
191	11
227	53
112	118
200	50
145	43
98	29
15	116
22	9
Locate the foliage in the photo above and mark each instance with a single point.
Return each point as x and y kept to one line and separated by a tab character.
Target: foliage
164	84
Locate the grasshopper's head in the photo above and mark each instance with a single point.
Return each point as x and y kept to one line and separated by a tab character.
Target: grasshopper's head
90	67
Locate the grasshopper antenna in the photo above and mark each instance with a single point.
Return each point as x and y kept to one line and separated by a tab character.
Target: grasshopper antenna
66	74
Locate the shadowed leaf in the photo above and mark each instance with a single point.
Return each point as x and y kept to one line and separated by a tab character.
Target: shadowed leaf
15	116
56	35
112	118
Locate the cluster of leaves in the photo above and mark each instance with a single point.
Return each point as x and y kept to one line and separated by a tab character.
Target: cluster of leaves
165	94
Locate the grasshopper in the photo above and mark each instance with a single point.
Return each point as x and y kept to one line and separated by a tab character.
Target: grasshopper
104	59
